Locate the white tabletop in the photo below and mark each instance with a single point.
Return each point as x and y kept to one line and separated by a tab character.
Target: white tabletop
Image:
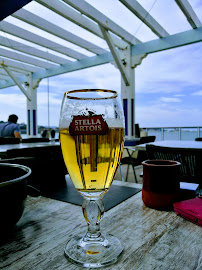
5	147
173	144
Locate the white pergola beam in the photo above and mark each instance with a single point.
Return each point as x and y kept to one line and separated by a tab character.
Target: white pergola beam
21	47
115	55
10	82
19	65
16	81
102	20
24	58
3	72
145	17
188	11
169	42
70	14
4	77
45	25
34	38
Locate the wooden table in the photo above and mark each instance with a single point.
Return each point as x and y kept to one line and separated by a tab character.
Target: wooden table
5	147
151	239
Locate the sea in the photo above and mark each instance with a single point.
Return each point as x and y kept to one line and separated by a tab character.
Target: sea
186	134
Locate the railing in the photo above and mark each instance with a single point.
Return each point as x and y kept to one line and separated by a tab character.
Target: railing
174	133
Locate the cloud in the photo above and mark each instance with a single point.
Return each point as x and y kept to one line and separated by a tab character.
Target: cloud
42	99
179	95
170	99
170	71
13	103
167	116
198	93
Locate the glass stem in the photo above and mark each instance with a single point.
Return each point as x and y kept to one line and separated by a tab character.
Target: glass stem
93	210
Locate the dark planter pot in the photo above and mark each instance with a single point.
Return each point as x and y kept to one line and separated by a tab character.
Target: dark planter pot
13	193
161	185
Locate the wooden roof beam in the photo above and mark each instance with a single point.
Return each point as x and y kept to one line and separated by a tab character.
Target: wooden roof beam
116	56
145	17
19	65
34	38
22	47
16	81
189	13
102	20
25	58
45	25
169	42
76	17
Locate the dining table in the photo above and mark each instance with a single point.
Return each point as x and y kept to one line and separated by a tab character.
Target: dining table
152	239
5	147
170	143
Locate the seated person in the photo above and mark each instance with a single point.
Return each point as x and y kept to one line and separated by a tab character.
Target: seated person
10	128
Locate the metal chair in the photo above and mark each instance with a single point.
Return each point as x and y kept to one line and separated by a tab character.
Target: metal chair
34	140
190	159
147	139
199	139
46	163
135	158
9	140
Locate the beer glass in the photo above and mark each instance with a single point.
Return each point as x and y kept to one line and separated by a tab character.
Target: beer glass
92	139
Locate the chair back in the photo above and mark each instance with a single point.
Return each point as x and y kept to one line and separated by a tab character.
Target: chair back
137	131
34	140
46	163
199	139
190	159
9	140
147	139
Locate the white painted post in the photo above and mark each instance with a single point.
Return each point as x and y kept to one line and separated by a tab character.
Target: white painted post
128	94
31	85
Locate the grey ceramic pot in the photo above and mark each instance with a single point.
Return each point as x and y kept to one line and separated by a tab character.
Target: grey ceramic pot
13	193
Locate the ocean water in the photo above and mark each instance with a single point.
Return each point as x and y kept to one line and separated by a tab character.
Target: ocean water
186	134
56	135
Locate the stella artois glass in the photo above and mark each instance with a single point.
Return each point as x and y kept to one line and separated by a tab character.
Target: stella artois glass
92	138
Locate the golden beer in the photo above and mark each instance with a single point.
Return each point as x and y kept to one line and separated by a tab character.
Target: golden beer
92	160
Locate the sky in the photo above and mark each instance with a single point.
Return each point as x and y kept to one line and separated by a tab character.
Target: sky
168	84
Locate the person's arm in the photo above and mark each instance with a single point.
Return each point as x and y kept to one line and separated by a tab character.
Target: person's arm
17	132
17	135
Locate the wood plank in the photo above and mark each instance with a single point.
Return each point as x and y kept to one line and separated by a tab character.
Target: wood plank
76	17
169	42
22	47
45	25
152	239
188	11
103	20
25	58
116	56
45	42
19	65
145	17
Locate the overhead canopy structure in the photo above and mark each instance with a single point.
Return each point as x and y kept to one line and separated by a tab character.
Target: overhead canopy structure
35	44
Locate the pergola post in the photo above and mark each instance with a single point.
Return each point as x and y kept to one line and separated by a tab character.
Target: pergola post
31	85
128	91
128	94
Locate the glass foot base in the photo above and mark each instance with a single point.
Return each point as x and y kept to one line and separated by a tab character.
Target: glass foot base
93	254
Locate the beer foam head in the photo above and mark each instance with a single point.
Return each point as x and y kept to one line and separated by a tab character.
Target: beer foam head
110	109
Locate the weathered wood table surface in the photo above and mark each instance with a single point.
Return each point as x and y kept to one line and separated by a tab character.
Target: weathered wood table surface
152	239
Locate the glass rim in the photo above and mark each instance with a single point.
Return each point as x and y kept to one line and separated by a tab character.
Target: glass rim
113	92
26	169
